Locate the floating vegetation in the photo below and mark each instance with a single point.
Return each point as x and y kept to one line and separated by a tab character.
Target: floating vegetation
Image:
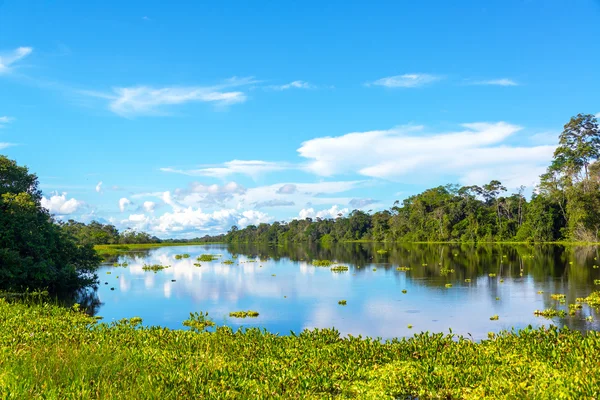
374	269
342	302
550	313
497	298
467	280
198	322
207	258
243	314
492	275
589	318
197	264
178	256
423	265
339	268
116	265
446	271
124	264
494	317
593	300
155	267
558	296
540	292
322	263
404	291
409	326
596	266
402	268
382	251
501	280
273	275
576	306
228	262
108	273
448	285
596	281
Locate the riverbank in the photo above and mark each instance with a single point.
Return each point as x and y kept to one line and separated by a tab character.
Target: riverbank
105	250
61	353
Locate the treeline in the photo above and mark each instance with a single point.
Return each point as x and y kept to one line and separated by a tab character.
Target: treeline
564	206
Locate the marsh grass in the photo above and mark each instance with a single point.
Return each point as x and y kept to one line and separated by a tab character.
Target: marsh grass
57	353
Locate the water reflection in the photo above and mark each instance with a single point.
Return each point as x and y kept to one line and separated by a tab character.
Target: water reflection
291	294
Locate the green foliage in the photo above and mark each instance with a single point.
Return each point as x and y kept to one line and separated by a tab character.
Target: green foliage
207	258
155	267
198	322
339	268
322	263
50	352
34	251
342	302
243	314
550	313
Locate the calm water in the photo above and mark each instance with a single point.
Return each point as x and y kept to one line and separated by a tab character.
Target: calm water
291	294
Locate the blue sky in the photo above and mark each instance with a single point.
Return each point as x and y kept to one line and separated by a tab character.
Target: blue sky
183	119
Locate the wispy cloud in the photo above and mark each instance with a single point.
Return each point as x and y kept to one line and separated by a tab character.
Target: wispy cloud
252	168
4	145
8	58
406	81
147	100
293	85
474	154
99	187
496	82
5	120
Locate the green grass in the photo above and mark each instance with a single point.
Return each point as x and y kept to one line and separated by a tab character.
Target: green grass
107	250
55	353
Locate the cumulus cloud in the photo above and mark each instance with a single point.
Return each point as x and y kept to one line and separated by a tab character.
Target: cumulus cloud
408	153
8	58
497	82
333	212
190	222
360	203
149	206
5	121
406	81
252	168
58	204
99	187
124	202
293	85
147	100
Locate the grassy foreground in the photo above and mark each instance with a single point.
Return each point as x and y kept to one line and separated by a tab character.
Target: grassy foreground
50	352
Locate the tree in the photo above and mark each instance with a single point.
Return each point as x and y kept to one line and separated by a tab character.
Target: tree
35	252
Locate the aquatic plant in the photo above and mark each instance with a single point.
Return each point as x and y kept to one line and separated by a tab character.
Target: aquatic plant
339	268
540	291
197	265
467	280
494	317
550	313
116	265
596	281
404	291
228	262
243	314
374	269
155	267
558	296
186	255
207	258
382	251
448	285
53	352
403	269
342	302
108	273
124	264
322	263
178	256
198	321
492	275
593	300
497	298
409	326
446	271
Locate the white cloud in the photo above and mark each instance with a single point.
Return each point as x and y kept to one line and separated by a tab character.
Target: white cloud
99	187
333	212
124	203
252	168
146	100
5	120
4	145
149	206
406	80
360	203
401	153
60	205
274	203
7	59
293	85
497	82
289	188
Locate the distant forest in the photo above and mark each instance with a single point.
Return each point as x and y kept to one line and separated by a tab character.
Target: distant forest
565	206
